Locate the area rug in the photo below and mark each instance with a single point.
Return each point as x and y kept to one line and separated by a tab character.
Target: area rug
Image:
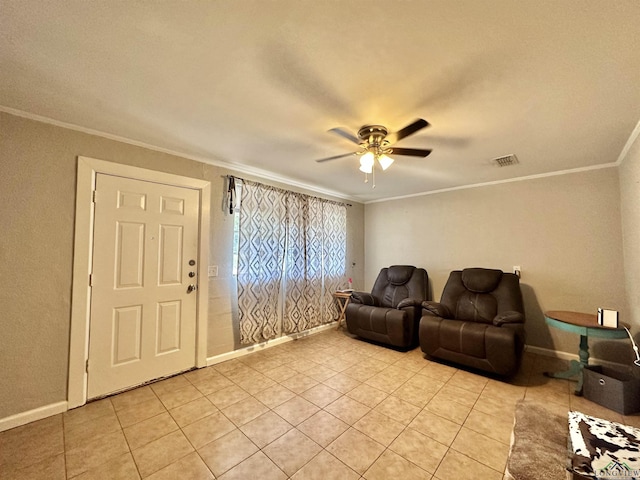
538	444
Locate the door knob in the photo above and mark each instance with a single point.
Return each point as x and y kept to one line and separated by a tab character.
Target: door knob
192	288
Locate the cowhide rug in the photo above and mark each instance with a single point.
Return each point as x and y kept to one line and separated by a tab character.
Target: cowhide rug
545	445
603	449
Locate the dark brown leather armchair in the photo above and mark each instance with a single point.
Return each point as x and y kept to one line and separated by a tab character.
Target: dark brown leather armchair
479	321
391	312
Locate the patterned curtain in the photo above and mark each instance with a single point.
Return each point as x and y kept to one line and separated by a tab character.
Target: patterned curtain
334	254
303	266
260	261
293	240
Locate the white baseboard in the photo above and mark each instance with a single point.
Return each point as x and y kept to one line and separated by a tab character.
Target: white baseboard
241	352
53	409
547	352
32	415
60	407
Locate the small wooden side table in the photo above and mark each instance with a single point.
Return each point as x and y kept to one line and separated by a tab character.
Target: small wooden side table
342	300
585	325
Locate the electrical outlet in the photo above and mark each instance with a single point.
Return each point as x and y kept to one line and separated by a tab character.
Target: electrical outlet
213	271
517	271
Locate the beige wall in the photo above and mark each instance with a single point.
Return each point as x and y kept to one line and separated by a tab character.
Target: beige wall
629	173
567	232
37	191
564	231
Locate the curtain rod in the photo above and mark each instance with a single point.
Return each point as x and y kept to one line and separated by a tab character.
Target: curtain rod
243	180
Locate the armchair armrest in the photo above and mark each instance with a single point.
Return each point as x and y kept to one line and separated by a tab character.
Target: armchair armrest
508	317
436	309
364	298
409	302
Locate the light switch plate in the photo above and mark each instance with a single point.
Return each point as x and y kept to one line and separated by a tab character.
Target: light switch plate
213	271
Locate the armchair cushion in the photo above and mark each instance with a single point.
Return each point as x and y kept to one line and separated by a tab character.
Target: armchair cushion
400	274
436	309
409	302
391	312
479	321
481	280
508	317
364	298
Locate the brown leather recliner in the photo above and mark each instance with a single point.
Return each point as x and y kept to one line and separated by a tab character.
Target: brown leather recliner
479	321
391	313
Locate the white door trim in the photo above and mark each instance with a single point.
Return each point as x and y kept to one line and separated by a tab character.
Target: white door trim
88	168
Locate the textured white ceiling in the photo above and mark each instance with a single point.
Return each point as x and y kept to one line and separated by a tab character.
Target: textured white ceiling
257	83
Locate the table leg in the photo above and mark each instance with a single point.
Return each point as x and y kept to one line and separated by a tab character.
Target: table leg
584	361
342	307
575	367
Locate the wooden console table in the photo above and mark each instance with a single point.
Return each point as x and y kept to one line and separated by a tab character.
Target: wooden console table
342	300
585	325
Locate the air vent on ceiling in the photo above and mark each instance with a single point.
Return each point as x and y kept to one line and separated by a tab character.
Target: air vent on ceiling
505	161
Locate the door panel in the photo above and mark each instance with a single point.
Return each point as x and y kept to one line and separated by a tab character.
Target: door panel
168	329
143	317
129	255
127	329
170	254
132	200
172	205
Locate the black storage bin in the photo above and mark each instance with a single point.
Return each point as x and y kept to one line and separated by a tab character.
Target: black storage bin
611	388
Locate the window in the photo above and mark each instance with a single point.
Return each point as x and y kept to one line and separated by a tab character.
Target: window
291	256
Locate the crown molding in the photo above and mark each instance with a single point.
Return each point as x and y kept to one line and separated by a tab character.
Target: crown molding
623	153
236	167
499	182
627	146
265	174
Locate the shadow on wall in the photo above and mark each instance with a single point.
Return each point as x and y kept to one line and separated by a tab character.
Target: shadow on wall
618	351
430	289
538	334
235	315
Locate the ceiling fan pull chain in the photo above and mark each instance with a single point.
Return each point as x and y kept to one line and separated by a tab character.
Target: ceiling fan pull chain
373	176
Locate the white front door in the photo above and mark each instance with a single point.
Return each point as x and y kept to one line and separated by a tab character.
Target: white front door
143	310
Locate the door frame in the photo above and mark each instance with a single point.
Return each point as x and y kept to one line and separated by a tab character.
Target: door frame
88	168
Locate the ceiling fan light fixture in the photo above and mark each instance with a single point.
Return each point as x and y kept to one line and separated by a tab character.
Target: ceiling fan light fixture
376	142
366	162
385	162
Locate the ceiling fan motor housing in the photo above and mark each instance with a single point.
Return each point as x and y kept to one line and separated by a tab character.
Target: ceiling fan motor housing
376	140
373	134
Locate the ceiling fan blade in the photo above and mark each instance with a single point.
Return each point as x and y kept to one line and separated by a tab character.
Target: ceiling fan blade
410	152
344	134
335	157
406	131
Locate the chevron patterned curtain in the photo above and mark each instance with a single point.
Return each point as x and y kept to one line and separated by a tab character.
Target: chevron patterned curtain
291	240
303	274
315	261
334	254
260	260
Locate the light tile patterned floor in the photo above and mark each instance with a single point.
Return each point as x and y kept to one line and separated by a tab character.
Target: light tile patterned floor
327	406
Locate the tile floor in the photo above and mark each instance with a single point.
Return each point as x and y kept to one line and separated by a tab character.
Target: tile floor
324	407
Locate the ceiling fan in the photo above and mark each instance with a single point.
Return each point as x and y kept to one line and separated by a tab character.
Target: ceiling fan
376	142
